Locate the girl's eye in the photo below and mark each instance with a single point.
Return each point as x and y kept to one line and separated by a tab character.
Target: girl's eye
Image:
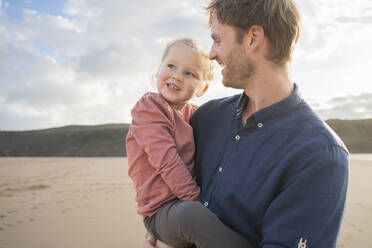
171	66
190	74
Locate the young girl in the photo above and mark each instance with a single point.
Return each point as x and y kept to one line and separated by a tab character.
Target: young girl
160	149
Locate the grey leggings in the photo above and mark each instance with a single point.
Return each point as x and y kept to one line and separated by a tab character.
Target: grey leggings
185	223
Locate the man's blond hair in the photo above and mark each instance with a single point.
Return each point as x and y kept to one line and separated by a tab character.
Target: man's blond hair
280	20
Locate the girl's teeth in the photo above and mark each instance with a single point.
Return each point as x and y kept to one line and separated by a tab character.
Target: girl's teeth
171	86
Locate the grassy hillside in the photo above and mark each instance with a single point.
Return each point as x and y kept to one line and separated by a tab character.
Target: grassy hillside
77	141
356	134
109	140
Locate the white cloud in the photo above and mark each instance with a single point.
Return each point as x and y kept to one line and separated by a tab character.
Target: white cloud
348	107
329	25
90	65
4	37
333	55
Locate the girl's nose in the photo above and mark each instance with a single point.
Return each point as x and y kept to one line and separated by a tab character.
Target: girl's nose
177	75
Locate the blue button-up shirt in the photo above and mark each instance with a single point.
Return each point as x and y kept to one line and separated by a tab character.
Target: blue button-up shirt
280	180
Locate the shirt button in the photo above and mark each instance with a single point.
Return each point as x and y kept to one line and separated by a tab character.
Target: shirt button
220	169
260	125
206	204
237	137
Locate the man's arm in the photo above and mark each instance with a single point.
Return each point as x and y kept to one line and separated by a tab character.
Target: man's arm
309	209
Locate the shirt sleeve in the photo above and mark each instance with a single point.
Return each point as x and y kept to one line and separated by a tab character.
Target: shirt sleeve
152	127
195	128
309	209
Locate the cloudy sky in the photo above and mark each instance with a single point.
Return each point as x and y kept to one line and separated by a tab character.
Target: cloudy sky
66	62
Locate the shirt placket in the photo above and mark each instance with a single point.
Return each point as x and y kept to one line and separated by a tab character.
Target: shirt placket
233	142
252	125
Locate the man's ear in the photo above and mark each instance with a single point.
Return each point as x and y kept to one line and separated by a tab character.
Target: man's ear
254	37
202	90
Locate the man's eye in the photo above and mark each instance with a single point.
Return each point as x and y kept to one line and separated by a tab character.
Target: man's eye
171	66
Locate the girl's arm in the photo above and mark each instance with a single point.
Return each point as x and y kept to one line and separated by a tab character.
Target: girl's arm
152	125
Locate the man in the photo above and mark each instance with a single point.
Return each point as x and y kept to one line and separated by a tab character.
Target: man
267	166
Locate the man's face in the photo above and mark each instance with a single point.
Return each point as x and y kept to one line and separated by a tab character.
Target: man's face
237	66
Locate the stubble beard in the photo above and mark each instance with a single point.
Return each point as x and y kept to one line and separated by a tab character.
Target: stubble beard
238	70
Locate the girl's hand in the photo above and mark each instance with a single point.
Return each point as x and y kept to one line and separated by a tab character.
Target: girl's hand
160	244
152	243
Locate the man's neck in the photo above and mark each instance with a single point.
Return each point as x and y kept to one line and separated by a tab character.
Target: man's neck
266	88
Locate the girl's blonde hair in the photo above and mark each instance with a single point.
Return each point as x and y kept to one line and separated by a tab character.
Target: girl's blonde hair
208	74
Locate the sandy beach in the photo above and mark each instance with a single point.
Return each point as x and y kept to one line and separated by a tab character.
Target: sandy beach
89	202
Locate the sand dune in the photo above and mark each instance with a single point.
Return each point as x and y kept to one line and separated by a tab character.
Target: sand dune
89	202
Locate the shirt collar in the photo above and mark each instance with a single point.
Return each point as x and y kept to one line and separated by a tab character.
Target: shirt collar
273	111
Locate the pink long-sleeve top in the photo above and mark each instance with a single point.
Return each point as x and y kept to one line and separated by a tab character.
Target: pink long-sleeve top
160	148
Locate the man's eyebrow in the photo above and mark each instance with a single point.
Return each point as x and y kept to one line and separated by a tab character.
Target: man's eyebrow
214	36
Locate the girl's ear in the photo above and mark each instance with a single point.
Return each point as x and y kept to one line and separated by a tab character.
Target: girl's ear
202	90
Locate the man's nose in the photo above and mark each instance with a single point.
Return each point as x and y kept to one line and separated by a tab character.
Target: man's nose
212	54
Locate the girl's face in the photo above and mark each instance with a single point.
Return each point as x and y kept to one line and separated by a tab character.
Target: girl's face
181	75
